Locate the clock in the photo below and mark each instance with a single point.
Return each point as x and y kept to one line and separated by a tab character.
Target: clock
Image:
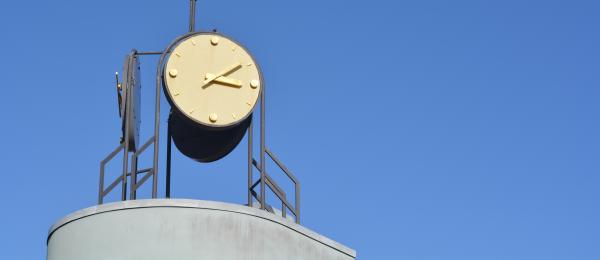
213	84
129	101
211	80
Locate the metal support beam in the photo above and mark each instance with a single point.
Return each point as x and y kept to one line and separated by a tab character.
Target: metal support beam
192	16
133	176
156	130
250	159
159	67
168	176
128	118
262	147
149	53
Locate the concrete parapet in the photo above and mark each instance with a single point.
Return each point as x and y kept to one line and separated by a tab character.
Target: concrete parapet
185	229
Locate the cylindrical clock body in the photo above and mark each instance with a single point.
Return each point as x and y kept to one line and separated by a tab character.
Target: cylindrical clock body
213	85
204	144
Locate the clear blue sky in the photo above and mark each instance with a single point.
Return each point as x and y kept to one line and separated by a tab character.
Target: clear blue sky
420	129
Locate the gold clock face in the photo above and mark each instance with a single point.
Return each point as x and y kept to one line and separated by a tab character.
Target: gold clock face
212	80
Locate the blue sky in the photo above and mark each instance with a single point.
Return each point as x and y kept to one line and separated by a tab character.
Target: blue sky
419	129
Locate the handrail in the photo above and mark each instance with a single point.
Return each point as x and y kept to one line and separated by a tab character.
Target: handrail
143	179
277	190
292	178
277	193
268	177
119	178
103	163
112	186
150	171
280	164
102	192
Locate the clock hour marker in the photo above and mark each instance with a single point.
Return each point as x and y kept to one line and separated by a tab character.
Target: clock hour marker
248	103
193	42
191	111
254	83
214	40
249	64
233	48
233	115
178	54
176	94
213	117
173	73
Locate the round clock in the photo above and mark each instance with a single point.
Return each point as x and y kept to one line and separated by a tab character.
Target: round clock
212	80
213	85
129	103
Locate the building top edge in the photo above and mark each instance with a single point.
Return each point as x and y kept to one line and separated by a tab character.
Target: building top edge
200	204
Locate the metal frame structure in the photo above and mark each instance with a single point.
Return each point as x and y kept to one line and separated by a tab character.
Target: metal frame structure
264	181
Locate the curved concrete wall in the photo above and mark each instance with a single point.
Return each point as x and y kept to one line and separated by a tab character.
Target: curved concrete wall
185	229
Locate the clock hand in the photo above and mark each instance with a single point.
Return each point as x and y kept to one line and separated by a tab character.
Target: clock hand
225	80
221	73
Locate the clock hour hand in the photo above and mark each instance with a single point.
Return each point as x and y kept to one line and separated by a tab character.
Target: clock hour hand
225	80
221	73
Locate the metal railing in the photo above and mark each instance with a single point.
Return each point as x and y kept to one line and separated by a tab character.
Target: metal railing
276	189
122	178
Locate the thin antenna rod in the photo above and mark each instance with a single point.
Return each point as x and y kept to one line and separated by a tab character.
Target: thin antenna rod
192	15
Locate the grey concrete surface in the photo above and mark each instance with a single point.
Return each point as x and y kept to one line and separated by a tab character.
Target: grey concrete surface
185	229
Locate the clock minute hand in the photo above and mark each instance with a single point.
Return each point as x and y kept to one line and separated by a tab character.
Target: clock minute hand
221	73
225	80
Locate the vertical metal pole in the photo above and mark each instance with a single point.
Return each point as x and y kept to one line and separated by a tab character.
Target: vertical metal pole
192	15
262	148
101	188
133	188
156	133
168	180
297	203
128	118
250	135
125	168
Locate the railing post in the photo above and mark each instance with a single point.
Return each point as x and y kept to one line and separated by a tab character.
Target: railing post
192	15
156	127
168	176
101	188
297	206
132	185
128	117
262	147
250	135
